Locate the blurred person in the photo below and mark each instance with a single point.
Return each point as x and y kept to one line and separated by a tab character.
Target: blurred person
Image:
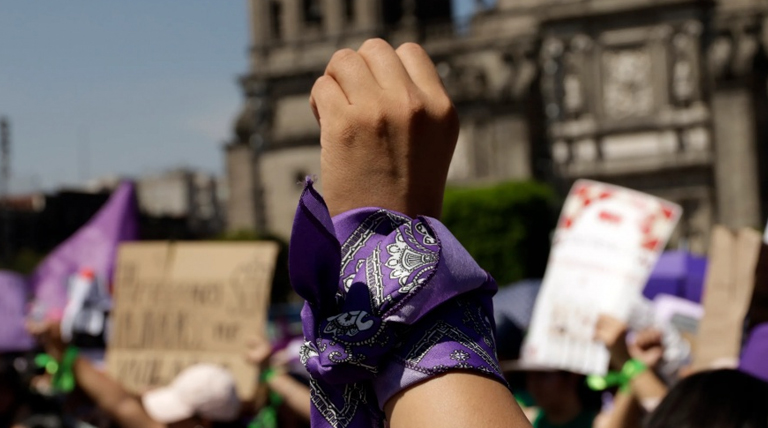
387	132
21	406
294	395
201	396
563	399
714	399
640	358
639	361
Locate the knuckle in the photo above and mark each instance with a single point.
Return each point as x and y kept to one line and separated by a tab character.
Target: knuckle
375	44
410	48
415	107
376	118
444	108
321	82
342	56
317	87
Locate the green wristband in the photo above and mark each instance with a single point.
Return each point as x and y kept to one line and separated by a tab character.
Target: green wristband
267	375
63	374
622	379
633	368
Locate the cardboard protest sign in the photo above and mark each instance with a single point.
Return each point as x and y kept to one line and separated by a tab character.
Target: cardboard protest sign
180	304
605	246
728	289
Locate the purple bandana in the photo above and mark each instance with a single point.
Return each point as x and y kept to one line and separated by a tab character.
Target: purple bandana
390	301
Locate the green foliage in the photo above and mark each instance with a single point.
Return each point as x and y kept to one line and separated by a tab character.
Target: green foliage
505	227
281	282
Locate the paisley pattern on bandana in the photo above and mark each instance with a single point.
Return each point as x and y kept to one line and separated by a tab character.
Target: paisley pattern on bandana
390	301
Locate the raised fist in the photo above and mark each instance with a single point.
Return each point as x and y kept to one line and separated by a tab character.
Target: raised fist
387	130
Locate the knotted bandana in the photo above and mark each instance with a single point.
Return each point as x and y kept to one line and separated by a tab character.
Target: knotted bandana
390	301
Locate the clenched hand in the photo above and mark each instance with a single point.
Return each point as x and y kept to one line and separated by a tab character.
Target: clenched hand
387	130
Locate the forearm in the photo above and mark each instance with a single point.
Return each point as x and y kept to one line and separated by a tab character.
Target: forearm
648	389
626	412
456	399
111	397
296	395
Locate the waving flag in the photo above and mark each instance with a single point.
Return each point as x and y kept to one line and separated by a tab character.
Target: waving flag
14	295
93	246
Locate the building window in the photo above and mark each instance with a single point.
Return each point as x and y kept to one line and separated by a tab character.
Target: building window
313	12
349	10
433	11
392	11
275	19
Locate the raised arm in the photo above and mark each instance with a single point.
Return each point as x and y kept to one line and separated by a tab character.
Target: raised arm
108	394
646	387
388	132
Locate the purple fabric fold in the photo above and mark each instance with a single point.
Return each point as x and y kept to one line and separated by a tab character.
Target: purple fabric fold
390	301
14	300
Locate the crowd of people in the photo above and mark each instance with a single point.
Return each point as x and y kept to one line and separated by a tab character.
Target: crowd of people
403	334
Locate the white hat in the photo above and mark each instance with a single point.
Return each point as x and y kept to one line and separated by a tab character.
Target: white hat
205	390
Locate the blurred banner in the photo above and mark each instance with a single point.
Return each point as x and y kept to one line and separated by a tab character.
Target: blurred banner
14	295
93	247
180	304
607	242
677	273
733	263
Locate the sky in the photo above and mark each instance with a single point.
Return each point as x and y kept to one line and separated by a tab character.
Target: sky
100	88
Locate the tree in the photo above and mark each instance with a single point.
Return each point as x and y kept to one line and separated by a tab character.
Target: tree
505	227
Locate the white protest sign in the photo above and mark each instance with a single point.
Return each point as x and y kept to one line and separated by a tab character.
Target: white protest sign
607	241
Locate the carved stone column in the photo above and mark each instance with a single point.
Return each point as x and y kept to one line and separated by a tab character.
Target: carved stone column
333	17
260	23
367	14
731	57
292	20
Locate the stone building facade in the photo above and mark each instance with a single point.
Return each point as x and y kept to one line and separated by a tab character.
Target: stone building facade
667	97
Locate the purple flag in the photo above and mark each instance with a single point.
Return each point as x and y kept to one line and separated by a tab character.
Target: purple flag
14	296
677	273
93	246
754	356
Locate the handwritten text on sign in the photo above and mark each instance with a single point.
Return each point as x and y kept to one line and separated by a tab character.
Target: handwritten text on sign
605	246
180	304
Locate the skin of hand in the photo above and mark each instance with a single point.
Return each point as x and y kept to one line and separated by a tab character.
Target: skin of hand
48	334
387	130
259	351
647	347
295	394
613	333
108	394
387	133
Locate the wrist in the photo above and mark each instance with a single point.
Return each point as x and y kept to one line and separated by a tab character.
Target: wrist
622	378
268	374
61	368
